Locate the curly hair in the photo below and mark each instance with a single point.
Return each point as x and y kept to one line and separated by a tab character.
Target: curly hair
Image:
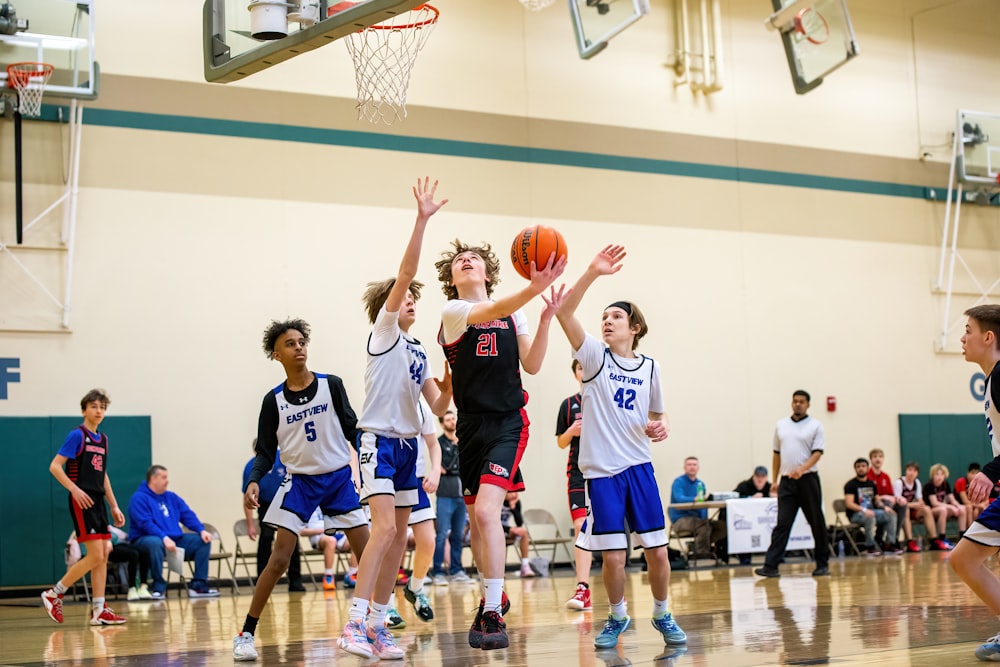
377	293
443	267
98	395
276	328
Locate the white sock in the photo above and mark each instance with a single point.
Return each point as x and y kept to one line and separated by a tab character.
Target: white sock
524	561
98	605
59	589
493	593
328	572
358	610
416	585
376	619
619	609
659	607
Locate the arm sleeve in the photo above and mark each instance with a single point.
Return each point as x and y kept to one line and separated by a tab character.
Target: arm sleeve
188	518
267	438
521	327
455	319
385	332
655	390
591	356
348	420
562	419
818	440
73	444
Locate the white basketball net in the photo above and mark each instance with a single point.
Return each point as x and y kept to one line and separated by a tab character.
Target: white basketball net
383	57
29	79
537	5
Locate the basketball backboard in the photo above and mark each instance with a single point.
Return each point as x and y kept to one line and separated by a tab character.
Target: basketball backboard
979	159
597	21
58	32
818	37
242	37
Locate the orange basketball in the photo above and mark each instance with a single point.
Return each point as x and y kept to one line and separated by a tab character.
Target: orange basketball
535	244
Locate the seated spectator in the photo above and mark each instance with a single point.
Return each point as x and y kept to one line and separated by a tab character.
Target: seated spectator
269	484
512	508
908	491
865	508
688	489
156	516
943	504
328	544
883	488
757	486
972	510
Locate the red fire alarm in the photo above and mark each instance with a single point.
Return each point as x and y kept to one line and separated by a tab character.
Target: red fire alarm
831	403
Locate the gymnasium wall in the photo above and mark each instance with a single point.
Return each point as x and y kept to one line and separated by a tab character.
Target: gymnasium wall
775	241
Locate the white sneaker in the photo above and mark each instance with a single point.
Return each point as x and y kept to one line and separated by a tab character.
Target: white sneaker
428	581
144	593
243	648
133	594
440	580
526	571
461	578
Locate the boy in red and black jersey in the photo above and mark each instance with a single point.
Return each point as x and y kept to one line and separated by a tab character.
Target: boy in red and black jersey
85	456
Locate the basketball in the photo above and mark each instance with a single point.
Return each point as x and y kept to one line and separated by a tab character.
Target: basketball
535	244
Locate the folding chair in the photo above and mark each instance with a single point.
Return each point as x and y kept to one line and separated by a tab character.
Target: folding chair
544	532
241	530
221	556
842	527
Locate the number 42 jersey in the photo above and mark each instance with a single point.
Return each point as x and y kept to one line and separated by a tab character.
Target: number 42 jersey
618	395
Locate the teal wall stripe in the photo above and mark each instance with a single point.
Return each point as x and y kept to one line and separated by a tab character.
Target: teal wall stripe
486	151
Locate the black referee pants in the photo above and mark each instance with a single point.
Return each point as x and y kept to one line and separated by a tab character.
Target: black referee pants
806	494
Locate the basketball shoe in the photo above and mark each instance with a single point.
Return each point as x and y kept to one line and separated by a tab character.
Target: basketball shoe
421	604
613	628
243	648
581	599
53	605
383	644
107	617
668	628
354	640
477	629
494	632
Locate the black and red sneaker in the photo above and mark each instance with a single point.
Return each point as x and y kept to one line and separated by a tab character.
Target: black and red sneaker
494	632
504	604
476	631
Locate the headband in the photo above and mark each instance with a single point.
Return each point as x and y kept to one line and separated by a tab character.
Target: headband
624	305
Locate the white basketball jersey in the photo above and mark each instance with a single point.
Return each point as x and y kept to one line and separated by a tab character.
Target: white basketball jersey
618	395
311	437
992	415
396	372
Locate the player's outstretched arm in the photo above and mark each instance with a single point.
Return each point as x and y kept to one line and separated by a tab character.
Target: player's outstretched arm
532	351
424	193
606	263
438	393
487	311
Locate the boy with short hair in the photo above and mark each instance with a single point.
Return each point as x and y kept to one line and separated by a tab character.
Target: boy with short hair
397	374
487	343
981	346
883	487
909	489
623	401
85	455
311	419
865	508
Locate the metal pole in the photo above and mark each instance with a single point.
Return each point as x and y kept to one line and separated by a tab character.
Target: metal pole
18	180
951	269
76	114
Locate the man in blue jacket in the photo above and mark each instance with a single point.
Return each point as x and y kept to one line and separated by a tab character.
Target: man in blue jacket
687	489
155	519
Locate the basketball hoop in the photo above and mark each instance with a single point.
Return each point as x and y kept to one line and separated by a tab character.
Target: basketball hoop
810	24
29	79
383	56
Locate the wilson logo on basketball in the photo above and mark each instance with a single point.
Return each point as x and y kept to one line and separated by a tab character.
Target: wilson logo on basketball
499	470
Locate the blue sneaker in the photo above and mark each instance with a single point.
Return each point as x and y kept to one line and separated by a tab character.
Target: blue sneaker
990	651
667	626
613	627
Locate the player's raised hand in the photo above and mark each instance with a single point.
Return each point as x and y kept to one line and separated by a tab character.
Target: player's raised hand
424	193
609	260
542	278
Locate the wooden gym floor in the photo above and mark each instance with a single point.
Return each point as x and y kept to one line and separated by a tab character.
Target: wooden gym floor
903	611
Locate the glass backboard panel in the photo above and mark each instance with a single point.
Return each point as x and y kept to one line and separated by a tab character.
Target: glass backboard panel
818	38
60	33
980	133
242	37
597	21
